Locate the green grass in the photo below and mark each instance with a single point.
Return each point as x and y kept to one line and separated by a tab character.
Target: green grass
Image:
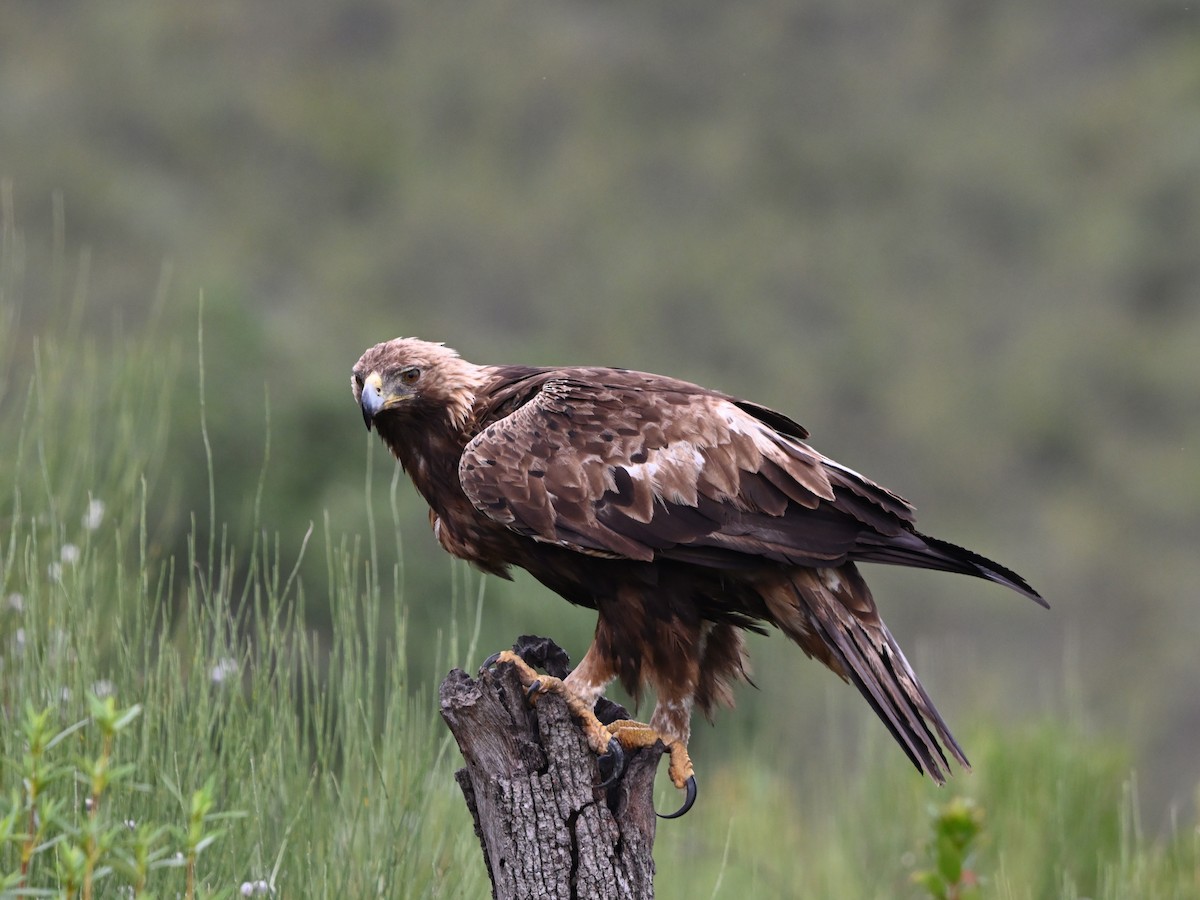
328	772
1058	820
340	768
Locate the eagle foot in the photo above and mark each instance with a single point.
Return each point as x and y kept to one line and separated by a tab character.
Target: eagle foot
609	742
635	735
598	736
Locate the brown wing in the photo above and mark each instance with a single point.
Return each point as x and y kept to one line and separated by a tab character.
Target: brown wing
637	466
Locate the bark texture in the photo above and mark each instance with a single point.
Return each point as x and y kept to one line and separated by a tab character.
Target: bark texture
531	784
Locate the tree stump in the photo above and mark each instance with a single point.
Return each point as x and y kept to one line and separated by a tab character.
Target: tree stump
532	785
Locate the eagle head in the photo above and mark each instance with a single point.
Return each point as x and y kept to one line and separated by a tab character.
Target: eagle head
411	378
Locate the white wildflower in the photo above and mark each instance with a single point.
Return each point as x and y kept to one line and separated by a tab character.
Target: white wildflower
64	694
20	636
249	888
69	554
54	570
16	602
94	515
103	688
226	667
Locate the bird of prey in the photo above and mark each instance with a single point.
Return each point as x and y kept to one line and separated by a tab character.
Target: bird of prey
682	515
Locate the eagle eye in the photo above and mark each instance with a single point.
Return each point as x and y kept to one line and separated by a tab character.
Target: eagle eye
410	375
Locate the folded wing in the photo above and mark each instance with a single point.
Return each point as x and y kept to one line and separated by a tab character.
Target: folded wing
630	465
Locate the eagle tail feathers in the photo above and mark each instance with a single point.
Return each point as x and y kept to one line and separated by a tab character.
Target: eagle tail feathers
893	690
833	619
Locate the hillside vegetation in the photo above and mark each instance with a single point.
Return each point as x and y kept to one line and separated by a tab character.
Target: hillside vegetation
177	726
957	241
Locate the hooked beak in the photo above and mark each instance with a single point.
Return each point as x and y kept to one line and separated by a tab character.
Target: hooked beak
373	398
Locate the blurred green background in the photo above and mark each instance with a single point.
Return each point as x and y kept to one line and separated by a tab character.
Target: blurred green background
959	241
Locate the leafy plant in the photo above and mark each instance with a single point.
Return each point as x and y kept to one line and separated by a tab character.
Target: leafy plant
957	826
67	848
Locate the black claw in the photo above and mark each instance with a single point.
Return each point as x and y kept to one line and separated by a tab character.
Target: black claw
687	801
488	663
613	761
532	691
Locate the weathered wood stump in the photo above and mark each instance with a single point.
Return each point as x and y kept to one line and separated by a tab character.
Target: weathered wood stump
532	785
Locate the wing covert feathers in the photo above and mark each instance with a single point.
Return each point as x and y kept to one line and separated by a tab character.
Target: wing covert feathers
623	464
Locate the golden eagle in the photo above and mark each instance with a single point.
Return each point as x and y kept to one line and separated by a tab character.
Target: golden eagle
680	514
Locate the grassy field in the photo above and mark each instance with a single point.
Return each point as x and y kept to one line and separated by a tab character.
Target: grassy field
175	727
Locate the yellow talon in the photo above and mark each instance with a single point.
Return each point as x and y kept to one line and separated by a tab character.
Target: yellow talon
629	734
635	735
535	684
